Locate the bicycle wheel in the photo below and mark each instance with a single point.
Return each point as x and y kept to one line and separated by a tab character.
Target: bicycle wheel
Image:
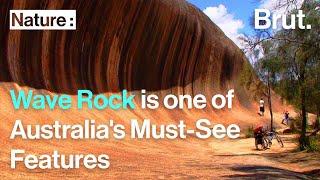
265	143
261	145
279	141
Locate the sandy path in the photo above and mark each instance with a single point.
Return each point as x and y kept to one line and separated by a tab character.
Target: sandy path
200	159
161	159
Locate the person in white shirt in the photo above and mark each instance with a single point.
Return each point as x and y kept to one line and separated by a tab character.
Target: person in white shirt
262	107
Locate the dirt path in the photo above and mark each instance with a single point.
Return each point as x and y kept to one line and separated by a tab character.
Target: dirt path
155	159
243	160
217	159
191	159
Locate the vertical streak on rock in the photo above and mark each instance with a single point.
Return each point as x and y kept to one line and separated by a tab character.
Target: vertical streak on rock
14	49
157	45
4	26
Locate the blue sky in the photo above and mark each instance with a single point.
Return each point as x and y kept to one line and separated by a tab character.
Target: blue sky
232	16
240	9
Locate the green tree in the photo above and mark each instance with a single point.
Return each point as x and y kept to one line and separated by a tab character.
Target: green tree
261	77
296	54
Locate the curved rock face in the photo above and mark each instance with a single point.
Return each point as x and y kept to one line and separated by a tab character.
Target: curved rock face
127	44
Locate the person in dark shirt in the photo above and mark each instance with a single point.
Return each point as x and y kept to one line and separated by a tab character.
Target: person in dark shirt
286	118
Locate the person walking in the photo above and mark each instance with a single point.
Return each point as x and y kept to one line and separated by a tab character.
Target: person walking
286	118
261	107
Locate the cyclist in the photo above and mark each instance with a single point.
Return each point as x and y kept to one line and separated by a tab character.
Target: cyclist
259	132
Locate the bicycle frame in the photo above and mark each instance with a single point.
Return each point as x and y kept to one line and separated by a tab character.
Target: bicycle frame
270	135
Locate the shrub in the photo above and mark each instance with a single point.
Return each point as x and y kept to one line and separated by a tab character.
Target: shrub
249	132
298	121
293	127
314	145
309	143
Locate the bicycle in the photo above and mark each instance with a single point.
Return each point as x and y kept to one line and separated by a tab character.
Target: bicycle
270	135
261	143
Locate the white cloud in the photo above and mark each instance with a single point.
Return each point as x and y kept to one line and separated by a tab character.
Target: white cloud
229	25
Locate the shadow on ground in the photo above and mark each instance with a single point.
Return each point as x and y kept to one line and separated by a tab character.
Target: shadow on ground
268	172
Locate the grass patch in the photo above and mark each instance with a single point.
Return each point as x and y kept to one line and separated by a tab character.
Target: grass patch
314	144
249	132
298	121
293	127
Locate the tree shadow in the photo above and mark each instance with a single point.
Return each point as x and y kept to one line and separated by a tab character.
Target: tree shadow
268	172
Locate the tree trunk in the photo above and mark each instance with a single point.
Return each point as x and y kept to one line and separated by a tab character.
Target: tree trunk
304	140
303	111
317	126
270	106
317	123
